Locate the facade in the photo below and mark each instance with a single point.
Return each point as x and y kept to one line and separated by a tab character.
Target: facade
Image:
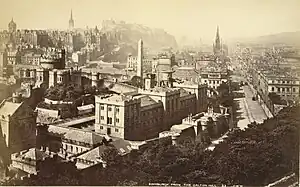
3	63
142	115
287	86
132	64
125	116
29	160
18	124
68	141
214	77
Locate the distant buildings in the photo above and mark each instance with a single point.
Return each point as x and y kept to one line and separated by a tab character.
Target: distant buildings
12	26
214	75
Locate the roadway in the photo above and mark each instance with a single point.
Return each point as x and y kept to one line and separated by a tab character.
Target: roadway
247	112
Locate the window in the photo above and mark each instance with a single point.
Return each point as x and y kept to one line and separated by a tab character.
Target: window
214	82
109	120
117	110
122	150
278	89
102	107
109	108
117	120
116	130
71	148
205	80
288	82
294	89
101	127
272	89
41	78
283	89
76	149
273	81
209	82
102	117
217	82
287	89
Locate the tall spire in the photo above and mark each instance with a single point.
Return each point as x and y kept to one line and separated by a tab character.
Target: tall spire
71	21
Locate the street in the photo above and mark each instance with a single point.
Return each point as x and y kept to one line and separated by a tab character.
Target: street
247	112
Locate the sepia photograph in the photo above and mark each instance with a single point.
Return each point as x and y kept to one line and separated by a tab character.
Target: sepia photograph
150	93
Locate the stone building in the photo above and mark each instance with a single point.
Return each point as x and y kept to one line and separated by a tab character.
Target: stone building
142	114
18	124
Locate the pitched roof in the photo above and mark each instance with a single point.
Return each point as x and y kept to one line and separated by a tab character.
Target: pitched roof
122	146
8	108
145	100
183	92
78	135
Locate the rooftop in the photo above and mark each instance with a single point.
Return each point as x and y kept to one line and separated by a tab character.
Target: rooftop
76	134
76	121
122	146
33	154
8	108
145	100
180	127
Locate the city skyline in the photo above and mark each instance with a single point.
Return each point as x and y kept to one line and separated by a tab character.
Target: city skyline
234	18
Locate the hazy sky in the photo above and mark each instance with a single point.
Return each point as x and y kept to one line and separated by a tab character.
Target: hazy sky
193	18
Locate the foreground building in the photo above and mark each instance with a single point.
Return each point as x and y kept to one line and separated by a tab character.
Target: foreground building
18	124
142	114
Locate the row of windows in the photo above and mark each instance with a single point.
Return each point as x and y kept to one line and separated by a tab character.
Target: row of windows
109	108
283	89
109	119
214	82
284	82
72	148
116	129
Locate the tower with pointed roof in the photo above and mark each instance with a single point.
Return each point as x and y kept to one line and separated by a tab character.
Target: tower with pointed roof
71	21
217	46
12	26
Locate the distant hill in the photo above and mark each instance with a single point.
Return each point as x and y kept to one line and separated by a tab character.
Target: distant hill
130	33
287	38
290	38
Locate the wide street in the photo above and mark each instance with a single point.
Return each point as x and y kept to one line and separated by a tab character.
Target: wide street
248	110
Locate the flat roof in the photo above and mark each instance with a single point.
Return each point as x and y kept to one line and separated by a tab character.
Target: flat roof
76	121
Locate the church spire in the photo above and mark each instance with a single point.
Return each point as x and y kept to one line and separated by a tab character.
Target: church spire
71	21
